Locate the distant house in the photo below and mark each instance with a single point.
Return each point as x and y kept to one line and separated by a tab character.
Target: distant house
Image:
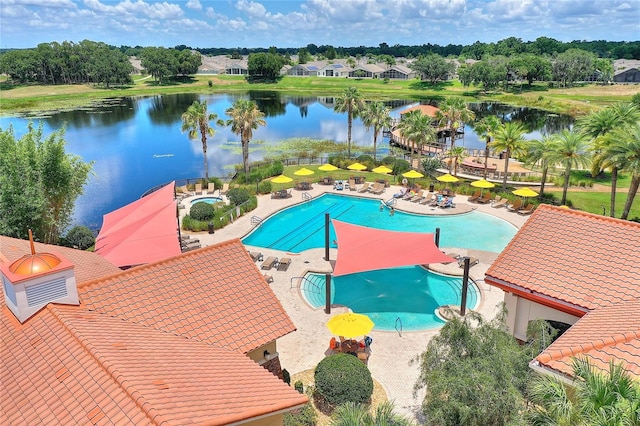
580	272
367	71
626	71
137	65
309	69
336	69
398	72
186	340
210	65
240	67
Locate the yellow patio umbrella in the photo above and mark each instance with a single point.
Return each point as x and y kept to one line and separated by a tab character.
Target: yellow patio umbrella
412	174
327	167
350	324
303	172
525	192
482	184
382	169
447	178
357	166
281	179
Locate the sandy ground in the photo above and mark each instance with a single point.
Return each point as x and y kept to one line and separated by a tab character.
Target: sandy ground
391	352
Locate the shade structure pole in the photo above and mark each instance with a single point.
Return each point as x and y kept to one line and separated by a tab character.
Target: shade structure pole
327	291
326	237
465	286
437	237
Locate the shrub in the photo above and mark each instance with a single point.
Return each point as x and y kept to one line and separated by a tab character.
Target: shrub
299	386
400	166
305	416
343	378
265	187
217	183
286	376
238	196
210	83
202	211
431	164
80	237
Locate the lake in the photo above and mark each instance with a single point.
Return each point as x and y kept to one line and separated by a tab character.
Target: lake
136	143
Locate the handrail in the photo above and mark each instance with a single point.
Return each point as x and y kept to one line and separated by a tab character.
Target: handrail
230	212
255	220
303	279
306	196
399	331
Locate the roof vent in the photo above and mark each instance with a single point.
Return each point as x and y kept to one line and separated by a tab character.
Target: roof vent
35	280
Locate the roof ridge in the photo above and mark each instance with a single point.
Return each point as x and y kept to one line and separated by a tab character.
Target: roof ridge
545	206
597	344
141	402
186	255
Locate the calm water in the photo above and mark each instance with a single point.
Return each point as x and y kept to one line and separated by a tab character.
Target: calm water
301	227
136	142
410	293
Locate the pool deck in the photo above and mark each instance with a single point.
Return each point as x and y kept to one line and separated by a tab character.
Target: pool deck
391	352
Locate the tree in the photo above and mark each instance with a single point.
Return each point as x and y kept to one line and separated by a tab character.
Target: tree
245	118
509	137
352	103
573	65
433	67
452	114
570	150
195	121
351	414
538	152
39	183
474	373
593	398
376	115
265	66
624	151
159	62
486	128
456	155
531	67
417	128
80	237
303	56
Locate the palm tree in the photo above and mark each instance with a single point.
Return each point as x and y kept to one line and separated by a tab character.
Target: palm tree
376	115
245	118
452	114
537	151
570	150
417	127
455	155
486	128
352	103
195	121
598	126
351	414
624	152
509	137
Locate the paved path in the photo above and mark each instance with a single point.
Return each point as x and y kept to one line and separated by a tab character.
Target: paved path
392	353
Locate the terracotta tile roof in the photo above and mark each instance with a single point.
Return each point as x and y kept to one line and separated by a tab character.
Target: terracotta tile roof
571	260
215	295
88	266
606	334
424	109
68	365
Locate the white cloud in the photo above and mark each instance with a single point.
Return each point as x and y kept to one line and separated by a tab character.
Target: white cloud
194	4
251	8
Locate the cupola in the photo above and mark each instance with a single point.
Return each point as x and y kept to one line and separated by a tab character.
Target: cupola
37	279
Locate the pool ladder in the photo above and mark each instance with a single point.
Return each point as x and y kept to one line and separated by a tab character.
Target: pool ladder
399	330
255	220
306	196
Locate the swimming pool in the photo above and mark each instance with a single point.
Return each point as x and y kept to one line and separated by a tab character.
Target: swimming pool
208	200
406	296
301	227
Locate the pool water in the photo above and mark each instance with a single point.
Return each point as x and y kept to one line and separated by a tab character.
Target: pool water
404	297
208	200
301	227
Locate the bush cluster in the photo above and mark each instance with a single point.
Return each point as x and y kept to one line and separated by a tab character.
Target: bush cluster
202	211
343	378
305	416
80	237
238	196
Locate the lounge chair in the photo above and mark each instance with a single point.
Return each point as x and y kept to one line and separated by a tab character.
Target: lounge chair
426	199
485	198
500	202
269	263
225	188
198	189
474	197
365	187
417	197
352	185
211	188
517	205
379	188
448	202
284	263
339	185
256	256
472	261
527	210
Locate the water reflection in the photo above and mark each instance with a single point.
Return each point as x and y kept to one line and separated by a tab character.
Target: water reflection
136	143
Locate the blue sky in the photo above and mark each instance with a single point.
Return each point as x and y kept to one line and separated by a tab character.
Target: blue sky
296	23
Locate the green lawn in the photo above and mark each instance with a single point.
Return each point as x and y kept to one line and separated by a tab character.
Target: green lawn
594	201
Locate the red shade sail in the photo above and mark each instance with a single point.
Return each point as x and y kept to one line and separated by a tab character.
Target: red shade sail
141	232
366	249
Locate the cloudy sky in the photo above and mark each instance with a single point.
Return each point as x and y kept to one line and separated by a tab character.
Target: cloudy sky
296	23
